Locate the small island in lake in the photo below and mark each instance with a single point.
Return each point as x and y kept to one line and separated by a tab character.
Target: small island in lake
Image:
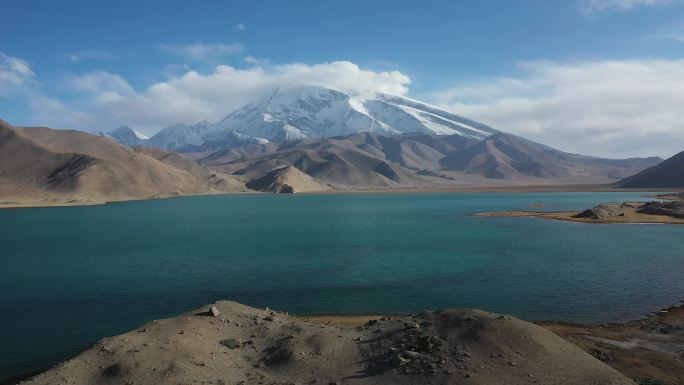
667	209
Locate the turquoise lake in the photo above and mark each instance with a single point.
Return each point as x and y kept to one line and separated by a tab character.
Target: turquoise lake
72	275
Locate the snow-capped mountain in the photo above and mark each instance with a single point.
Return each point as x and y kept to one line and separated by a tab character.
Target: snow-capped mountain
126	136
318	112
179	135
199	137
288	114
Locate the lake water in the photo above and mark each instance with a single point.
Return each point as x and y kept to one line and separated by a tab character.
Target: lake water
69	276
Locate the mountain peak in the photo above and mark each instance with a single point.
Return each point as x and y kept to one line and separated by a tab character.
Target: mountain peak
126	130
292	113
126	136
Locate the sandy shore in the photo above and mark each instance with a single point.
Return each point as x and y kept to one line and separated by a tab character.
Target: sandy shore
9	203
494	188
24	203
649	349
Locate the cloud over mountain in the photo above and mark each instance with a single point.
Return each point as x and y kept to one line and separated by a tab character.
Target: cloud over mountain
614	108
194	96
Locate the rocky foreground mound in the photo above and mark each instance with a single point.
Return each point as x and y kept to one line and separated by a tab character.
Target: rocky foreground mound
229	343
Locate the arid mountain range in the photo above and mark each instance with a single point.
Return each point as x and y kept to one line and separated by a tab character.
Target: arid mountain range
303	139
42	163
367	160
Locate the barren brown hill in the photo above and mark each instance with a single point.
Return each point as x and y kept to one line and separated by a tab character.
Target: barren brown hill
229	343
64	166
668	174
505	156
354	161
27	168
367	160
212	178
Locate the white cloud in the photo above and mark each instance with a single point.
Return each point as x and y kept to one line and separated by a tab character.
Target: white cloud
54	113
19	83
240	27
14	72
203	51
194	96
251	60
597	6
88	54
673	33
605	108
99	82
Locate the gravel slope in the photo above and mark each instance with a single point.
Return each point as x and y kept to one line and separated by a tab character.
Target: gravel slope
244	345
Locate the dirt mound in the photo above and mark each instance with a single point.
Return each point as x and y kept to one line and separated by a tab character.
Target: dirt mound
238	344
286	180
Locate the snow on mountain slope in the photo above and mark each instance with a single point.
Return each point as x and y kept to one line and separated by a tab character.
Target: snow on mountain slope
198	137
301	112
426	116
140	135
318	112
126	136
179	135
289	114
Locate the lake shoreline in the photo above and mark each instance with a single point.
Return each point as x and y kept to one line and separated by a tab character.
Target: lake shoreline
17	203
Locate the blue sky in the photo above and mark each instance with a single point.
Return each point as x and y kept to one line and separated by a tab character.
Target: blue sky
553	71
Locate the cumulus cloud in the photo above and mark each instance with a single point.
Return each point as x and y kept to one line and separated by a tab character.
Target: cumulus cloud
195	96
14	72
605	108
240	27
203	51
596	6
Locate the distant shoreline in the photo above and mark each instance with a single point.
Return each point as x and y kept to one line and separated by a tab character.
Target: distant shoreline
14	203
